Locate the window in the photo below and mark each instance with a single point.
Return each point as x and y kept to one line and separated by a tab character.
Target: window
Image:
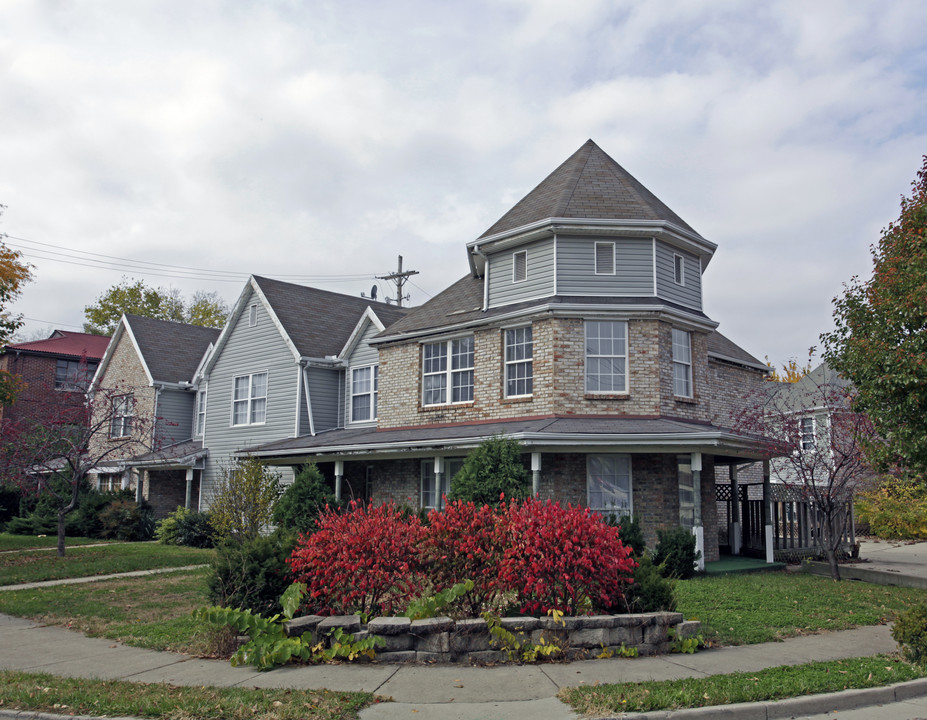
364	387
109	482
679	269
604	258
438	375
200	424
432	494
120	423
686	491
520	266
608	484
73	375
682	363
249	399
606	357
806	433
519	362
252	315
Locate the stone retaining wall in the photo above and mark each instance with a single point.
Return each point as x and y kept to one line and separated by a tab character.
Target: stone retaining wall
442	639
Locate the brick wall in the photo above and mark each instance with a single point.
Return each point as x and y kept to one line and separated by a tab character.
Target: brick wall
166	490
39	396
734	391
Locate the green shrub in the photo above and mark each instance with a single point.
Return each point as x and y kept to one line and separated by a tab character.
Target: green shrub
631	533
186	527
242	499
252	574
910	631
650	591
895	510
299	507
492	469
127	520
675	553
9	503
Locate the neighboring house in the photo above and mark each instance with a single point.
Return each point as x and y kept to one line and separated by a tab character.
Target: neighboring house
579	331
291	361
63	363
147	371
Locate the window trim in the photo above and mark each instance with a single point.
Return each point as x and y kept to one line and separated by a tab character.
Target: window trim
812	442
509	364
515	278
126	404
677	362
251	398
630	465
252	315
595	259
373	392
625	357
199	429
679	269
449	371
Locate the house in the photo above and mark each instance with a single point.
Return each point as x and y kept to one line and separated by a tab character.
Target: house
291	361
579	331
147	371
62	363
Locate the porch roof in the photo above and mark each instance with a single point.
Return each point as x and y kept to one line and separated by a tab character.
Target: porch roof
180	455
552	433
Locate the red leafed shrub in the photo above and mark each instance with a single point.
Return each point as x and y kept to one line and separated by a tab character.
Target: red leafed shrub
563	558
464	542
364	560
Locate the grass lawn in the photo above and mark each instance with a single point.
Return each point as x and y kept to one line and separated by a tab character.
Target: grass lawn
66	696
24	542
761	607
150	612
770	684
21	567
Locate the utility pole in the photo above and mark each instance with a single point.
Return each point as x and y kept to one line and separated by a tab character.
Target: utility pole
398	278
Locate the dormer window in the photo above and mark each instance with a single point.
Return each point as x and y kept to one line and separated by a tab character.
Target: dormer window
520	266
679	269
604	258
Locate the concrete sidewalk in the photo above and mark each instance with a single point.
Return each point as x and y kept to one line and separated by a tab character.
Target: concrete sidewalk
425	692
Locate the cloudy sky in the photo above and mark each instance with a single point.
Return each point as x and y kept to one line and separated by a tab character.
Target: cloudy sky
193	143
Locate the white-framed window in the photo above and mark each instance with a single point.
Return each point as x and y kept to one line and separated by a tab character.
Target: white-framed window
682	363
519	362
679	269
806	432
249	399
120	422
686	491
433	494
605	258
519	266
252	315
200	421
73	375
438	374
608	484
109	482
365	383
606	356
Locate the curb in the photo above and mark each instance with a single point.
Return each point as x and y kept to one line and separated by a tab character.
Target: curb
793	707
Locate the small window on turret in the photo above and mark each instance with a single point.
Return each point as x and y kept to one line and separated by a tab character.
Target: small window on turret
604	258
679	268
520	266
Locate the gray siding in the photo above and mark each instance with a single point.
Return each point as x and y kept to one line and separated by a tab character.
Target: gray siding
576	267
175	416
324	390
689	294
364	355
540	281
249	350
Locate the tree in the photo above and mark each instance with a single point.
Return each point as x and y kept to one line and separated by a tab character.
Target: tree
14	273
242	500
66	436
792	372
492	469
136	298
880	339
814	441
304	501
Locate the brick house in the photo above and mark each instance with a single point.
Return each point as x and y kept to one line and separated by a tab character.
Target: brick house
62	363
579	331
147	372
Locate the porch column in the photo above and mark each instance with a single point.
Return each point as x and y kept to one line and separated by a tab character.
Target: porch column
767	513
339	474
189	497
698	529
734	535
439	486
139	495
535	473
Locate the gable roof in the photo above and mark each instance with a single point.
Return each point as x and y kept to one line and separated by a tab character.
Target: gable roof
588	185
64	343
171	351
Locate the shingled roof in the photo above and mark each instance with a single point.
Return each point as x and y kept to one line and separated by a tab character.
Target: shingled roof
172	351
64	343
319	322
588	185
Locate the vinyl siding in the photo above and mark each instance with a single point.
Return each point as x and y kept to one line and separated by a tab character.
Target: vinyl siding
576	267
249	350
324	387
540	280
689	294
175	416
363	356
